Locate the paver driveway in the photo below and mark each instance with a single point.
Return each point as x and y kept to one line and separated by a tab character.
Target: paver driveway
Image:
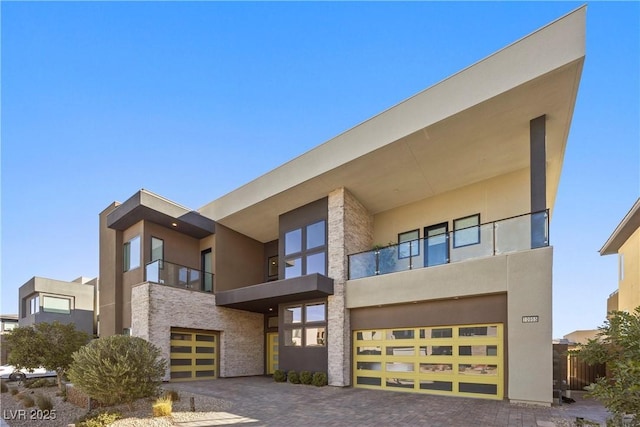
259	401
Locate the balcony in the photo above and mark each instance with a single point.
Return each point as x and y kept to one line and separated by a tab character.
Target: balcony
519	233
178	276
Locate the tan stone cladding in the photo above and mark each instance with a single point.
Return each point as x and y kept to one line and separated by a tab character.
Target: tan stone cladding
350	229
156	309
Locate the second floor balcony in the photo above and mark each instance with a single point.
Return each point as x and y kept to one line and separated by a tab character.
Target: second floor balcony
519	233
178	276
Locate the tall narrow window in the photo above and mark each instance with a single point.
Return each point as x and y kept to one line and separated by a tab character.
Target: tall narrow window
409	244
34	304
157	249
207	270
132	254
466	231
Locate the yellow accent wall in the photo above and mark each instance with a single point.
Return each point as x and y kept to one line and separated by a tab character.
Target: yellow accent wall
629	280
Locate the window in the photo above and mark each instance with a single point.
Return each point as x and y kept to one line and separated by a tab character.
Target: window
305	250
409	244
33	304
621	267
10	326
56	305
132	254
305	325
466	231
157	249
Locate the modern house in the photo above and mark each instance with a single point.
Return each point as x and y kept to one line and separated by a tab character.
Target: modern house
625	241
49	300
7	323
294	270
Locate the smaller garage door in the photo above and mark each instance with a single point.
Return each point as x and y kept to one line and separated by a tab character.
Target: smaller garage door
194	354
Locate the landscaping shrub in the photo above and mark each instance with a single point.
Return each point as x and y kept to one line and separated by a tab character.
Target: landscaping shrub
319	379
172	395
101	419
279	376
43	402
118	369
306	377
39	382
293	376
3	387
162	407
13	391
27	401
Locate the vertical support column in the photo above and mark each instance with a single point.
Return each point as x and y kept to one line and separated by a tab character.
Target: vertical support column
538	168
350	228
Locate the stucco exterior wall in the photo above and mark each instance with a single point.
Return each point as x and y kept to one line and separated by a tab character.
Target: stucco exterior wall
629	281
350	230
497	198
156	309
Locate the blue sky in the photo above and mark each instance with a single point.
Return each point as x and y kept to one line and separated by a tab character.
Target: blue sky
192	100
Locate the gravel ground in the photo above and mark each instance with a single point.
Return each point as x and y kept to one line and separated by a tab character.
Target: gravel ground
16	415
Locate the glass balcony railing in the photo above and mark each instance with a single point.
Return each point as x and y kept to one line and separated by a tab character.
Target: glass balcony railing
178	276
523	232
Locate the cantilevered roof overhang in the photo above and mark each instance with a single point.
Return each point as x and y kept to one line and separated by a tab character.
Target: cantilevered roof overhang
629	224
145	205
469	127
265	297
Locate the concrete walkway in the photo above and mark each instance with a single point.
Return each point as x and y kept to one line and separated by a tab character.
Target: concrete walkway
259	401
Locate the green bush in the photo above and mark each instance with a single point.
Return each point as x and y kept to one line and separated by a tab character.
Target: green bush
43	402
3	387
306	377
279	376
39	382
319	379
118	369
101	419
162	407
293	376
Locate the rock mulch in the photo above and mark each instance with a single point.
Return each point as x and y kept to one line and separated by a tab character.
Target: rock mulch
139	414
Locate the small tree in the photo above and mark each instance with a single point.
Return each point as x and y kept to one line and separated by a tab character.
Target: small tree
50	345
118	369
618	345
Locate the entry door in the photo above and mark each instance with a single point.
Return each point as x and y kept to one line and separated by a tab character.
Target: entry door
272	352
436	244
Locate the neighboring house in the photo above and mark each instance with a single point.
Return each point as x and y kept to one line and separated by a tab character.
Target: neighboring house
287	272
580	336
7	323
625	241
49	300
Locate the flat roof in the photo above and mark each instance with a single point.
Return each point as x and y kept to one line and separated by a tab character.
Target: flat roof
629	224
432	142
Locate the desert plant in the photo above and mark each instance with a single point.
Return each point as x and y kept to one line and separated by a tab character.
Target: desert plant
162	407
293	376
173	395
43	402
50	345
13	391
27	401
279	376
306	377
101	419
118	369
319	379
39	382
3	387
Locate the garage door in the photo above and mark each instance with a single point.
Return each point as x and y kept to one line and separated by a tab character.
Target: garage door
462	360
194	354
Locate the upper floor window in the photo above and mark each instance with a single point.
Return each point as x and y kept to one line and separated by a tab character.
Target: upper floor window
409	244
620	267
34	304
9	326
157	249
132	254
305	325
305	250
466	231
56	305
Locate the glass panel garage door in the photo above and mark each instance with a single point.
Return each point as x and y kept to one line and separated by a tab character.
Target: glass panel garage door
193	355
458	360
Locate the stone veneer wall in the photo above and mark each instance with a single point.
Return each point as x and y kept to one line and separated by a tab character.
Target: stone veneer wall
350	230
156	309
